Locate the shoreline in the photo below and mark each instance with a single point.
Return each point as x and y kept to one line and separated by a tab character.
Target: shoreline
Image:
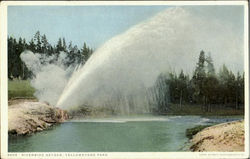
224	137
27	116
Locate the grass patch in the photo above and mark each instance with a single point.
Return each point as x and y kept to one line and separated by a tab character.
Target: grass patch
20	89
217	110
192	131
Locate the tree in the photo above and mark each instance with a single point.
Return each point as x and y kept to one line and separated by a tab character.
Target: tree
182	87
64	46
241	89
86	52
238	90
223	79
45	45
210	91
172	82
19	63
11	56
206	87
25	45
210	65
59	46
199	79
32	46
210	83
74	55
161	95
38	43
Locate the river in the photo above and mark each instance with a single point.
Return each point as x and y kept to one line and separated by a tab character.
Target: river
116	134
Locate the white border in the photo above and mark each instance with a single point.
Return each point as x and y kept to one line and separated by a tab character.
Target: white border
116	155
4	76
72	3
246	68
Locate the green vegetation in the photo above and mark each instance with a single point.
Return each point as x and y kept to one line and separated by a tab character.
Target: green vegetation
192	131
204	92
39	44
216	93
20	89
216	110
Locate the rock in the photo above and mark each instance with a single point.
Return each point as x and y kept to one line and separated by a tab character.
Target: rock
31	116
39	129
225	137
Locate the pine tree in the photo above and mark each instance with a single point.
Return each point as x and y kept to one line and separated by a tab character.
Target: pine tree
223	79
199	78
210	84
238	90
38	43
25	45
161	94
64	46
84	52
182	87
210	65
19	63
172	82
59	46
45	45
242	89
32	46
11	57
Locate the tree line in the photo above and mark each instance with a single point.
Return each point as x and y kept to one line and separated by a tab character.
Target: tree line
205	87
39	44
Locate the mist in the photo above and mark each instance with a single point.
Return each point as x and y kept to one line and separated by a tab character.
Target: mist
49	74
120	72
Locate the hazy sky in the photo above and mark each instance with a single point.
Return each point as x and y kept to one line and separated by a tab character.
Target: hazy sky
93	24
97	24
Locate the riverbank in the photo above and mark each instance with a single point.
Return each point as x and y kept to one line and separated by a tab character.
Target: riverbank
216	110
225	137
26	116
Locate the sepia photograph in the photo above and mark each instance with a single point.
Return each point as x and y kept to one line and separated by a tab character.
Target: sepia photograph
116	79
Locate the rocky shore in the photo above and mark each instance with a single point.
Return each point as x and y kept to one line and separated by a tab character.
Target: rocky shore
226	137
28	116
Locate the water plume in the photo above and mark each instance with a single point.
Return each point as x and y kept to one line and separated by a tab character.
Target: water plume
120	72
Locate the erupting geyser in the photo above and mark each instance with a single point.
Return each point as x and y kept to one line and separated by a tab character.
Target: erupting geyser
119	73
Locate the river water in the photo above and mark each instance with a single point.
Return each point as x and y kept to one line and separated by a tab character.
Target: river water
117	134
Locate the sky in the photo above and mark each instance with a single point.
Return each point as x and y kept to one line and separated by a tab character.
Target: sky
91	24
97	24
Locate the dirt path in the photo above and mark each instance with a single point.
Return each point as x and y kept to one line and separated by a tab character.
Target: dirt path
226	137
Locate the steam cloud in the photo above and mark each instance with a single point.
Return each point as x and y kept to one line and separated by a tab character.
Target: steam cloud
50	74
118	74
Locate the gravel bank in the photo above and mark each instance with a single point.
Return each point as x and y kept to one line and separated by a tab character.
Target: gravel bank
226	137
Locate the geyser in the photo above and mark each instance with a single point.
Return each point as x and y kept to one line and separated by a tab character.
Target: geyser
119	73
